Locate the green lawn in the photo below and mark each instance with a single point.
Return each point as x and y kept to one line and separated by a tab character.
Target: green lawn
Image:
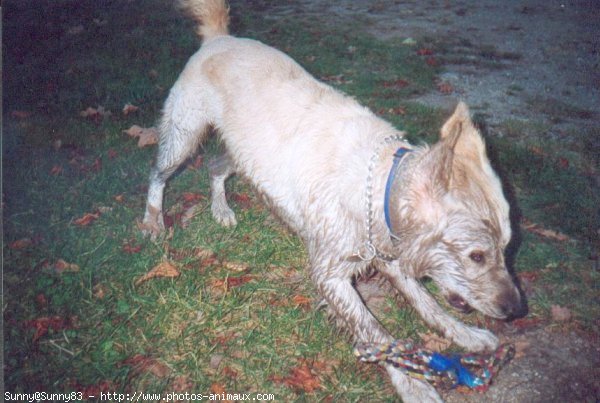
242	320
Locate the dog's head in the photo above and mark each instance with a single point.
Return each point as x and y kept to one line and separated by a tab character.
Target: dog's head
458	222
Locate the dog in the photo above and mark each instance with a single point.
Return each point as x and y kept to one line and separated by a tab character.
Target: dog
343	179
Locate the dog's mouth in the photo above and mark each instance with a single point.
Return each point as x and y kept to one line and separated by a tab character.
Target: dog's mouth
457	302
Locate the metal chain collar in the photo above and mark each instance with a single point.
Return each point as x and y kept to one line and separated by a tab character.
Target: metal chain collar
371	251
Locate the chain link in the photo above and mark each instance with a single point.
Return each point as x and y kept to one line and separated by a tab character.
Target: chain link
371	250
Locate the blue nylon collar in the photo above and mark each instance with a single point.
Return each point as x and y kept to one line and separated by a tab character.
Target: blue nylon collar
398	155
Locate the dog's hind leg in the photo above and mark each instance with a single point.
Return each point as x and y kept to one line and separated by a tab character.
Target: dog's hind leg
220	169
181	131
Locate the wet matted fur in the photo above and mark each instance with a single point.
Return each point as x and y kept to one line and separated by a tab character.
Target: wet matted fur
308	149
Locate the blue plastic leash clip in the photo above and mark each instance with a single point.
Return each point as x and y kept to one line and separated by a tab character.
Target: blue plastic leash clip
441	363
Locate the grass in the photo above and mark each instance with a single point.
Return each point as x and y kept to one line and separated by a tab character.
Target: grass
189	333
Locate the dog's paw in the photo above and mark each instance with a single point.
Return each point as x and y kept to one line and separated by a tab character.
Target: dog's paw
475	339
412	390
223	215
152	225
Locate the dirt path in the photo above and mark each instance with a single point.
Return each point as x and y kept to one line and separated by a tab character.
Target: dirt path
533	61
534	65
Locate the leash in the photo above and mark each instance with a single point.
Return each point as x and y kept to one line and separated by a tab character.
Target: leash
445	372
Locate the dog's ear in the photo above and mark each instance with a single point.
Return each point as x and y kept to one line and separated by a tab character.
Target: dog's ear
443	167
461	134
432	180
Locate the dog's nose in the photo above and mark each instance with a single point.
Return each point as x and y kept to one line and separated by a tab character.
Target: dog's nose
511	305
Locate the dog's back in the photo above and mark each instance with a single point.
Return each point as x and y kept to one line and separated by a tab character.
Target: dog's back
264	104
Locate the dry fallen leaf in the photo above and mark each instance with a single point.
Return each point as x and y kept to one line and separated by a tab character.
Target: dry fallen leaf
560	314
131	248
236	267
163	269
301	300
20	244
99	291
432	341
56	170
87	219
146	136
547	233
129	108
219	389
63	267
181	384
96	114
143	364
20	114
300	377
43	324
188	214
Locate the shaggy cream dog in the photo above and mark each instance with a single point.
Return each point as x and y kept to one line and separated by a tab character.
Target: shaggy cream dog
323	163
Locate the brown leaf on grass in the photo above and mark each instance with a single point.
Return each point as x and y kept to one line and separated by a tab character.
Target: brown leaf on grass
92	390
219	389
192	198
146	136
44	324
231	282
95	114
20	244
131	248
129	108
188	214
300	378
526	323
141	364
431	61
41	301
432	341
20	114
560	314
215	361
425	52
547	233
99	291
400	83
235	267
229	372
64	267
87	219
243	200
529	275
181	384
56	170
301	301
196	163
119	198
163	269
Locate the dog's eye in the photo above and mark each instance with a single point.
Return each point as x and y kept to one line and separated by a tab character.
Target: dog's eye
478	257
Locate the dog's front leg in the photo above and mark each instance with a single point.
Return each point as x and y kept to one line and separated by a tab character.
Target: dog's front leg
347	305
471	338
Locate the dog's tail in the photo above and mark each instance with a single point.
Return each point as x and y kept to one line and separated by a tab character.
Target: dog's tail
212	16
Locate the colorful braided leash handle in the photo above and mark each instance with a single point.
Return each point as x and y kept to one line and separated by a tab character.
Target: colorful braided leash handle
474	371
